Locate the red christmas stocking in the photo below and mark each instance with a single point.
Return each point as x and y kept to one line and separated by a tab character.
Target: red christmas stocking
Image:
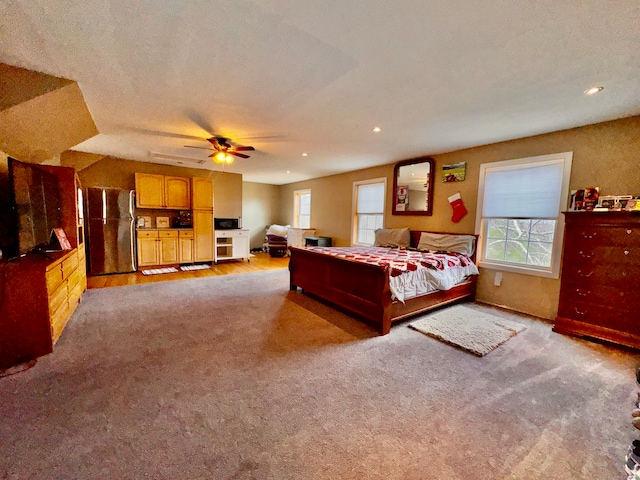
458	208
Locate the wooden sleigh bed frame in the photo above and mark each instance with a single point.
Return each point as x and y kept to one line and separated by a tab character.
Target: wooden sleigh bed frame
364	290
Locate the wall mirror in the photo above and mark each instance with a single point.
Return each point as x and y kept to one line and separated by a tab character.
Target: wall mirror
413	186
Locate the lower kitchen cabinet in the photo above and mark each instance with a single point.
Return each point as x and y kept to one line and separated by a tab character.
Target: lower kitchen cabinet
185	246
164	247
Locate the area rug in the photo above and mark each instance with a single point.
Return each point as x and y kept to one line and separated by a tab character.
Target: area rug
158	271
187	268
469	329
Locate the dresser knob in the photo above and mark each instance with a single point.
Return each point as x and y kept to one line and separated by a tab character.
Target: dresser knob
584	255
589	235
583	294
579	312
586	274
624	274
626	252
629	232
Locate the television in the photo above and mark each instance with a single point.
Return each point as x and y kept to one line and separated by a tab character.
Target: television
29	207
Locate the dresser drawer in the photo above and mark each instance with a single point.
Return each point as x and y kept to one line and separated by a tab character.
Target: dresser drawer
604	254
58	321
58	297
619	275
611	318
54	278
69	265
74	279
601	295
75	294
585	236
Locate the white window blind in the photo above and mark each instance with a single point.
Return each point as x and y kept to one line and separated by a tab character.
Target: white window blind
523	191
371	198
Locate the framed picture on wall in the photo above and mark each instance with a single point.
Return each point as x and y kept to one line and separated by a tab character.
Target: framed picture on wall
454	172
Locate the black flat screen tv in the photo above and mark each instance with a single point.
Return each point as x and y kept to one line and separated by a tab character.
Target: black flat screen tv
29	207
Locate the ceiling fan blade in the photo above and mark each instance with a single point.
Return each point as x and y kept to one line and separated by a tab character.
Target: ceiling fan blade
193	146
241	148
241	155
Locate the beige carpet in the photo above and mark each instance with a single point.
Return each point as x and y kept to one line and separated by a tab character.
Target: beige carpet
235	377
476	332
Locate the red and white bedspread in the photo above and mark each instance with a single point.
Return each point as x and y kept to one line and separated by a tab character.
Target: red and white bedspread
411	273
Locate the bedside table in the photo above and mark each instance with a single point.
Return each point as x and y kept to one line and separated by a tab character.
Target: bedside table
317	242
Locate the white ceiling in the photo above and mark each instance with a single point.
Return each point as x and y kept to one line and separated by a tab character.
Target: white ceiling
316	76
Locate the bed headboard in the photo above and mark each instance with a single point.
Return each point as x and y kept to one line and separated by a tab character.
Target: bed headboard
415	238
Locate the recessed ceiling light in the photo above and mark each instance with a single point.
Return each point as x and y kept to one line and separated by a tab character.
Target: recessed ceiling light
377	129
305	155
288	171
593	90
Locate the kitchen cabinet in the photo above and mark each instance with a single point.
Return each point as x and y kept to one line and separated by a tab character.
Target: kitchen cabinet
163	247
177	193
160	191
149	190
185	246
148	248
203	235
600	265
202	193
168	246
232	245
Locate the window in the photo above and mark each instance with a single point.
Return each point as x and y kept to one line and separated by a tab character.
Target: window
519	219
302	209
368	210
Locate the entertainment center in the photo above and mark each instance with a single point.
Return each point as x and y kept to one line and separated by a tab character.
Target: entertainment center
40	284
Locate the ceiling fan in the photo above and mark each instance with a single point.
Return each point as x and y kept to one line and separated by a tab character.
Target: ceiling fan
224	149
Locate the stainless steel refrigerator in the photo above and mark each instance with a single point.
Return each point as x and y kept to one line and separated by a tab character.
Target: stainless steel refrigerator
110	230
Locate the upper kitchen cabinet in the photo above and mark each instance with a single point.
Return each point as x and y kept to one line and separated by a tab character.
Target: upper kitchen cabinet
177	193
202	198
160	191
149	190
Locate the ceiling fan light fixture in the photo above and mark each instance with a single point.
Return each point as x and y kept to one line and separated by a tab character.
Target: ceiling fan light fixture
377	129
228	159
219	157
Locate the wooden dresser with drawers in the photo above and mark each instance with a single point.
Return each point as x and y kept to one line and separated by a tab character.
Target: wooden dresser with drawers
600	270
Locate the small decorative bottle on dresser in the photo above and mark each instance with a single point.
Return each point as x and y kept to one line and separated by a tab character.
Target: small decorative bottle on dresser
600	270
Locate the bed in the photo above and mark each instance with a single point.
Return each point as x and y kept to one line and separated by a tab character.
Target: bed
366	284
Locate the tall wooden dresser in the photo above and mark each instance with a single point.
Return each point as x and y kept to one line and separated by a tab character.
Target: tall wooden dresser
600	273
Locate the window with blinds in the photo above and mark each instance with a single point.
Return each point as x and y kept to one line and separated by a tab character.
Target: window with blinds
302	208
368	216
519	213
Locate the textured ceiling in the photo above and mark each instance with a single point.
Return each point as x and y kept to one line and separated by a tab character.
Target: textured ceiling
316	76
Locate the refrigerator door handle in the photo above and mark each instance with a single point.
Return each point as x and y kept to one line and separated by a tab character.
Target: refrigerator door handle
104	207
132	196
134	254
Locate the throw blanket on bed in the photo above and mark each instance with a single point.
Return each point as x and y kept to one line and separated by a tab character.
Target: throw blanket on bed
411	272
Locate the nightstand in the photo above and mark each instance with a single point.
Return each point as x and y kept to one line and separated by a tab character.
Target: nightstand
317	242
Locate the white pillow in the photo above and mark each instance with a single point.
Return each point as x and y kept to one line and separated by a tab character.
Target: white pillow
446	242
279	230
392	237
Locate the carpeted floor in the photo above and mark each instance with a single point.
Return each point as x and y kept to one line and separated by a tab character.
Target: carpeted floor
235	377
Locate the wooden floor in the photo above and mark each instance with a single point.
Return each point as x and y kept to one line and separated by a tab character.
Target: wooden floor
260	261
